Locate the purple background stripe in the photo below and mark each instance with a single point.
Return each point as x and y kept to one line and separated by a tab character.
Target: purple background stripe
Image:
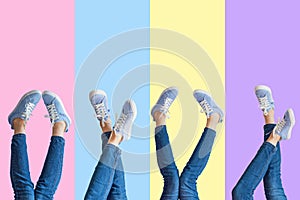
262	47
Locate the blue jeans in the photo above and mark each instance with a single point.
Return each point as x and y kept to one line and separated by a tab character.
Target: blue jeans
265	165
51	173
183	187
108	181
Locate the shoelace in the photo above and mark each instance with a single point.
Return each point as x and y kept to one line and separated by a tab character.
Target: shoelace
101	112
28	110
280	126
264	104
165	107
53	114
120	122
206	107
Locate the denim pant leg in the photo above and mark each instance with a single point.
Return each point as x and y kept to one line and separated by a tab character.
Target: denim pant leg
254	173
166	164
103	176
272	180
118	190
19	169
52	170
195	166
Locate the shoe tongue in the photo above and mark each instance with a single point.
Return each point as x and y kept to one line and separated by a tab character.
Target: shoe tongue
126	109
94	100
126	112
201	99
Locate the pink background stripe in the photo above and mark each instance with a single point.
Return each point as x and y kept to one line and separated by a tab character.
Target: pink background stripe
36	52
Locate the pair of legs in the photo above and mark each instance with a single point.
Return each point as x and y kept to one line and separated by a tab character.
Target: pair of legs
266	165
108	180
52	170
184	186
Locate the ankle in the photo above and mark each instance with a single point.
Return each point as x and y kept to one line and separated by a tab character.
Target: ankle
115	139
269	118
213	121
274	139
59	128
105	126
159	118
19	125
214	117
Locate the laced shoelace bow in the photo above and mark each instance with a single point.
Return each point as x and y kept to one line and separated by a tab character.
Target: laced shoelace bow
281	123
264	104
28	110
53	114
165	107
206	108
120	122
101	112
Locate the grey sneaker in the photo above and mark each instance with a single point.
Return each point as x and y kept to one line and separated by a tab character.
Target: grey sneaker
284	127
165	101
98	99
25	106
124	123
265	99
56	109
207	104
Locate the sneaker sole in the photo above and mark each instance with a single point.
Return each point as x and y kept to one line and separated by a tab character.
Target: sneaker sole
93	92
167	89
293	121
264	87
206	93
60	101
26	95
134	110
201	91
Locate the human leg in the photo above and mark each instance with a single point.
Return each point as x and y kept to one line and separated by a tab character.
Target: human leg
166	164
103	178
98	99
164	153
52	169
201	154
118	188
19	166
272	179
254	173
258	167
19	169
